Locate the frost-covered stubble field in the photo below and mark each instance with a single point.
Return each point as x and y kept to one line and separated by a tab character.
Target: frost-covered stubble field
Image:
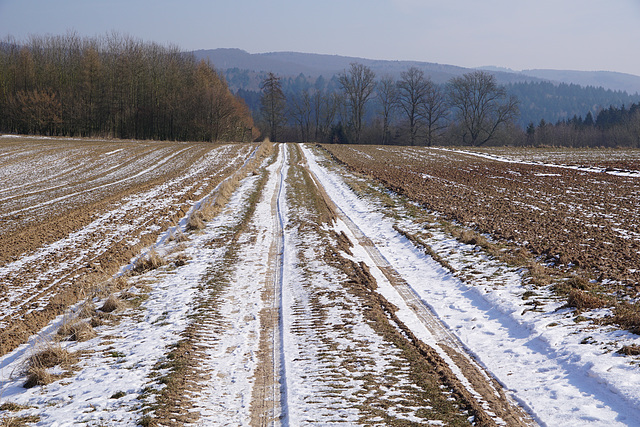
276	287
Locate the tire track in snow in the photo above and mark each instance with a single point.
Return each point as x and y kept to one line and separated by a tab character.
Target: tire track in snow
478	380
269	397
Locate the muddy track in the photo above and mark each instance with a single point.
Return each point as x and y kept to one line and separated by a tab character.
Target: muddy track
491	394
266	402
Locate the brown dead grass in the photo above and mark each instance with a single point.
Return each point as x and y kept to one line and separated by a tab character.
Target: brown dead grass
19	421
150	261
583	300
626	316
196	221
538	274
180	259
112	304
76	330
87	309
178	236
12	407
630	350
39	363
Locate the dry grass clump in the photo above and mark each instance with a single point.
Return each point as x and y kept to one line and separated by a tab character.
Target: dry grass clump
627	316
196	221
103	287
538	274
112	303
579	283
470	238
12	407
19	421
37	376
180	259
120	282
582	300
178	236
630	350
76	330
39	363
211	210
88	309
519	257
150	261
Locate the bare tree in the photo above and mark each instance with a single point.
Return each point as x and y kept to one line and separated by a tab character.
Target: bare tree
481	105
358	84
434	109
273	104
388	97
325	109
301	113
412	92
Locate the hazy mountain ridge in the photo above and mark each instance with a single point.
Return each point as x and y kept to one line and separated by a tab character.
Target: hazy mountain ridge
608	79
314	65
311	64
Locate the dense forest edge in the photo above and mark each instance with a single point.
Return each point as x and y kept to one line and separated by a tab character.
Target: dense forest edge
115	86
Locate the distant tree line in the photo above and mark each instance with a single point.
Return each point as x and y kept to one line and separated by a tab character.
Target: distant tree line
555	102
115	86
471	109
413	110
612	127
552	102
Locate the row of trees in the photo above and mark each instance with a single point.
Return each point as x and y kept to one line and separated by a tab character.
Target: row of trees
414	109
552	102
612	127
115	86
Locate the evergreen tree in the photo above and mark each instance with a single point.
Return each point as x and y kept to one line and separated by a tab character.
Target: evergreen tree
588	120
273	104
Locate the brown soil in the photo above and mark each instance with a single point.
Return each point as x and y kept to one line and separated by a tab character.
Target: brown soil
41	288
583	222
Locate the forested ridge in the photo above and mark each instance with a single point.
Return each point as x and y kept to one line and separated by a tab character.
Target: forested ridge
115	86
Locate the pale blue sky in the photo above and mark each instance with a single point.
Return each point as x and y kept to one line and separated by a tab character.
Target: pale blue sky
519	34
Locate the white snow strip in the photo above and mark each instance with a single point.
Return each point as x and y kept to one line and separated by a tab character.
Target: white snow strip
626	173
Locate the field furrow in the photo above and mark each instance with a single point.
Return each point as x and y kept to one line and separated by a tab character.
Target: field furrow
292	285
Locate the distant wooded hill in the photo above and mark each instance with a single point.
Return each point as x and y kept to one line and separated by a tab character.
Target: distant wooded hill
552	95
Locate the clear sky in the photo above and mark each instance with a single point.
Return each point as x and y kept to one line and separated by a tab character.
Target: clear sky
520	34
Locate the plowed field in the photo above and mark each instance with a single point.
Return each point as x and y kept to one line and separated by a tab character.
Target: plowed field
577	210
171	284
73	212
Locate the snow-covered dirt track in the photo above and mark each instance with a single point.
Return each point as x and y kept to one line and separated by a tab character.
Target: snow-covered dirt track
242	285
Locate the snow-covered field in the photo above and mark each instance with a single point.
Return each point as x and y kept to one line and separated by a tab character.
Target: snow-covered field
303	304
